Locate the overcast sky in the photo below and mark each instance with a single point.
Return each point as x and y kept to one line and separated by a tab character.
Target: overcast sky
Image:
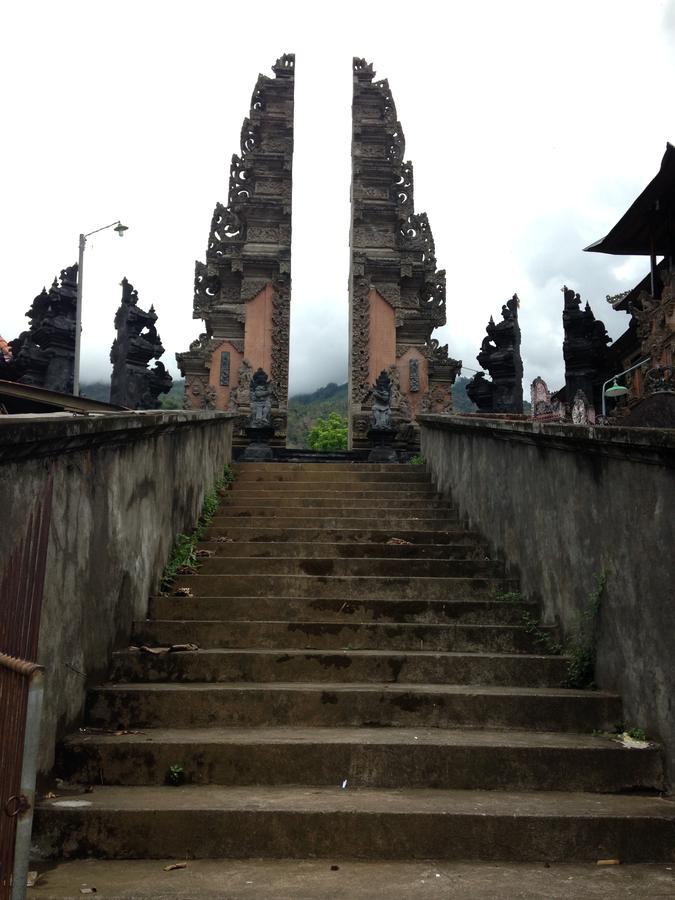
531	125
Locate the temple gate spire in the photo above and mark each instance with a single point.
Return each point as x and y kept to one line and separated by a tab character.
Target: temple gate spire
243	289
396	293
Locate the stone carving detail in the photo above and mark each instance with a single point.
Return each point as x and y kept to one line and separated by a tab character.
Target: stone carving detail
414	374
44	355
225	368
500	355
249	246
392	252
582	412
260	392
656	322
132	383
584	350
380	411
543	407
659	380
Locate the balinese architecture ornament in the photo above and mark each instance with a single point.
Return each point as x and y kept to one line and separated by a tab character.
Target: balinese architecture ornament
584	350
44	355
500	355
544	407
243	290
396	294
132	383
260	428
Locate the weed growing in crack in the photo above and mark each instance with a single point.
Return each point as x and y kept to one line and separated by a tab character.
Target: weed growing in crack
183	558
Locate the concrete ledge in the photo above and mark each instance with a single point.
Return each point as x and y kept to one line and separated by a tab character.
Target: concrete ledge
48	434
655	445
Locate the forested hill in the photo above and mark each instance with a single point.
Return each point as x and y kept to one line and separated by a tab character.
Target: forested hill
305	409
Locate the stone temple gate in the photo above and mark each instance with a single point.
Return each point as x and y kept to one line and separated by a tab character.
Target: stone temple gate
396	294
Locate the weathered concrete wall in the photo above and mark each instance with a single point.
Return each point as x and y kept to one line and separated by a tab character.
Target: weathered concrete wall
563	503
124	486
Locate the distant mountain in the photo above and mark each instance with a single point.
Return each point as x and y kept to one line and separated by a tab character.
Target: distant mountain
305	409
100	390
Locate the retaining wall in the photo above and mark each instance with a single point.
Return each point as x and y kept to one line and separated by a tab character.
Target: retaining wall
124	484
562	504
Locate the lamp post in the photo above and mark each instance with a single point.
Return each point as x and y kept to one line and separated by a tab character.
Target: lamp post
617	390
120	229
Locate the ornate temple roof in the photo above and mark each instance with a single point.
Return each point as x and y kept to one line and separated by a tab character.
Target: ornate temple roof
648	226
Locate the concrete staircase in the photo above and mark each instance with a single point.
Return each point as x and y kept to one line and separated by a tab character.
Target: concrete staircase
351	697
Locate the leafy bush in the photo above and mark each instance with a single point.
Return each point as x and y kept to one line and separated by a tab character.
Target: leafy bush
329	433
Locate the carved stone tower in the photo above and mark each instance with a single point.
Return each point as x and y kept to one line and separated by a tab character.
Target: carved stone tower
500	355
584	350
132	383
243	290
44	355
396	294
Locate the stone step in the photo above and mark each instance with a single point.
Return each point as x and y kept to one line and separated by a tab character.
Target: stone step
336	704
240	822
320	505
345	879
323	635
337	520
325	550
370	666
274	468
367	510
356	567
347	587
320	492
399	758
403	475
272	531
303	609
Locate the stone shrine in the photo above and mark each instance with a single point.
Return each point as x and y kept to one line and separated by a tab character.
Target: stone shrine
584	351
396	293
44	355
132	383
243	290
500	355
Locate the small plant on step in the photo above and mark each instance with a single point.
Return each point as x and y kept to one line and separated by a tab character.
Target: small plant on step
226	482
175	775
582	645
509	597
543	638
417	460
183	558
638	734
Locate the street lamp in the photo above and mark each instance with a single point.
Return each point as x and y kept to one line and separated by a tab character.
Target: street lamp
617	390
120	229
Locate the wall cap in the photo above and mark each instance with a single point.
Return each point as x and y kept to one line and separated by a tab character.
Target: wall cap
651	445
32	436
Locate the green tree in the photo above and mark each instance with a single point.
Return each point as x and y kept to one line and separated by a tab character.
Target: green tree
329	433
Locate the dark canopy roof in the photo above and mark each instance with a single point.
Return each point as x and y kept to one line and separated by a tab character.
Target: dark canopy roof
650	218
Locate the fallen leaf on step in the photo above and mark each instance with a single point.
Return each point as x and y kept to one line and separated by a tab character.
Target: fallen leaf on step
123	731
186	570
154	651
50	795
397	540
85	889
204	554
183	648
31	879
183	592
627	741
221	539
173	866
608	862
